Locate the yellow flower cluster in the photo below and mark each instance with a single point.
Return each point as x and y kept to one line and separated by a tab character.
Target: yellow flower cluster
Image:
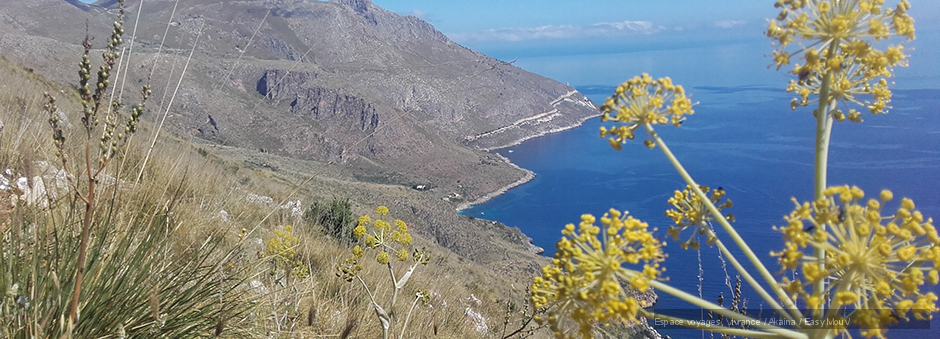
383	235
875	263
837	37
350	268
280	248
640	101
386	237
585	280
691	212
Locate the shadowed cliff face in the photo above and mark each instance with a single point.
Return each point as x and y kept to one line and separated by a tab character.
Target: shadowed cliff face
343	81
317	103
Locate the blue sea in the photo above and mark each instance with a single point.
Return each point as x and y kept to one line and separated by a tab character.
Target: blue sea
743	137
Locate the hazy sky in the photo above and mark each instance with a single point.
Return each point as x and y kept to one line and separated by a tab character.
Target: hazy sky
482	24
522	20
501	20
672	36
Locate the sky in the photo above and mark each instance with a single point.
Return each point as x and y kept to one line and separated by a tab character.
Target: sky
501	20
481	19
567	39
552	26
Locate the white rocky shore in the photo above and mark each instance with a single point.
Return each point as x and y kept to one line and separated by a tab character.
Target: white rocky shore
529	175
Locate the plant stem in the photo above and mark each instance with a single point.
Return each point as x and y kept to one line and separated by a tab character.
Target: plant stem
379	312
821	161
711	328
86	230
753	282
371	297
408	317
391	307
781	332
781	294
156	133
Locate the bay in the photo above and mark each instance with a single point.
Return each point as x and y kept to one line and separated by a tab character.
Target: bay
744	139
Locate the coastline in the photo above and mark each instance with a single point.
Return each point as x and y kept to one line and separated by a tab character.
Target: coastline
529	175
541	134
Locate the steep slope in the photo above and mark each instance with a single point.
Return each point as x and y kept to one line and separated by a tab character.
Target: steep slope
343	81
376	96
358	99
215	203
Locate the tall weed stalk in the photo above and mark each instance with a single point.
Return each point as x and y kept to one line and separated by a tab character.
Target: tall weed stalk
109	258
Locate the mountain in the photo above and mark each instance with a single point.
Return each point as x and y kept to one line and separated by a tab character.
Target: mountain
341	81
341	92
335	98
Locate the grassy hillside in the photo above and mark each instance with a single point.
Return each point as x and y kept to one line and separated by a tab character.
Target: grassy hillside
198	212
228	210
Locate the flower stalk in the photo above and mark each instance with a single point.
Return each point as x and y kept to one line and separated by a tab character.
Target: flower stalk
114	136
761	268
821	159
391	240
694	300
753	282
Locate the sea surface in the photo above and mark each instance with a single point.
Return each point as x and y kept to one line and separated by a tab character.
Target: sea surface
744	138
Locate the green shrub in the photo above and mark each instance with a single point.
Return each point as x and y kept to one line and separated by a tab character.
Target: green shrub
336	218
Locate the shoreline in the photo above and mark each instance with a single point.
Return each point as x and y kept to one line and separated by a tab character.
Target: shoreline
529	175
542	134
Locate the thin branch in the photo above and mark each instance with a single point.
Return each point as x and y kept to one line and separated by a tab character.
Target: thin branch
163	41
252	38
714	328
408	317
165	113
747	277
725	312
130	50
725	224
369	292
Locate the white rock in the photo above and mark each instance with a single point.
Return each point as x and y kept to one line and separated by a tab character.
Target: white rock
56	180
259	199
32	194
294	207
473	298
479	322
4	183
258	285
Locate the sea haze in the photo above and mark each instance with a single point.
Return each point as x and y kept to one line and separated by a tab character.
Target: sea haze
743	137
